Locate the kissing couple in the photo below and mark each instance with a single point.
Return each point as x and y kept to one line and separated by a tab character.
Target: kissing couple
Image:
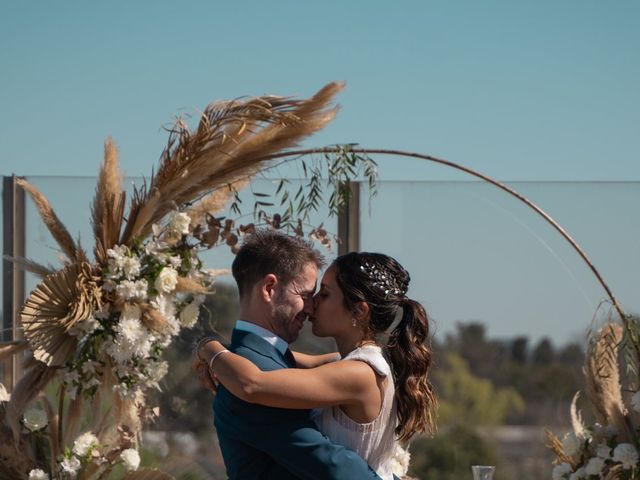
346	415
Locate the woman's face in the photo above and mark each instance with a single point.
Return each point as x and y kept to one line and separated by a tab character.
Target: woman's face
330	316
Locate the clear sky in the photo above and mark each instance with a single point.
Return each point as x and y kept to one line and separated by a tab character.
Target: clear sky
520	90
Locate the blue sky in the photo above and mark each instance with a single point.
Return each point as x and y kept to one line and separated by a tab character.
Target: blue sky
522	91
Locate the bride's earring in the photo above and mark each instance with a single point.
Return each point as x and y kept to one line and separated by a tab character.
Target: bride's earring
354	323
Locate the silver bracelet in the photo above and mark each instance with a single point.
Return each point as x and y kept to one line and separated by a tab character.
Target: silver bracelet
216	355
202	342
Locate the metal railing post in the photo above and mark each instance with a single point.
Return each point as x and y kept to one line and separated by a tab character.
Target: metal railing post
349	222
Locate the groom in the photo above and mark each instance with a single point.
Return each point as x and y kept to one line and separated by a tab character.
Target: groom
276	276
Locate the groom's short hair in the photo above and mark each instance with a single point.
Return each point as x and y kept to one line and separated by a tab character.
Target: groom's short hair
269	251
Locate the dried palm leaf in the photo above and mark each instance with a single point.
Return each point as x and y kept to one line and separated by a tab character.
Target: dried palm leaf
29	386
230	143
602	375
54	307
51	220
576	418
148	474
108	203
30	266
13	348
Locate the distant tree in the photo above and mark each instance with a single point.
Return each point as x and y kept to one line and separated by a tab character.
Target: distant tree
543	353
469	400
520	350
450	454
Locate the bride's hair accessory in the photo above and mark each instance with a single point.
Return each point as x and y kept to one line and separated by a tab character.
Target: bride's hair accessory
382	280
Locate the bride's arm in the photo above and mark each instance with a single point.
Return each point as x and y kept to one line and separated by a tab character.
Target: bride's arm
305	360
337	383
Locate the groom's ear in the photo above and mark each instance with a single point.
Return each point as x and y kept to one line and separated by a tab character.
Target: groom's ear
268	287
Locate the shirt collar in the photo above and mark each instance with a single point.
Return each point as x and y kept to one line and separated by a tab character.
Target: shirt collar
263	333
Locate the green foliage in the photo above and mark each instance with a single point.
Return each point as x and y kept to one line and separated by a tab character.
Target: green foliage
450	454
469	400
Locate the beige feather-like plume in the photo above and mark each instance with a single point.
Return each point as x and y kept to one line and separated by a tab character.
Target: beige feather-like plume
230	143
214	202
108	203
30	266
602	375
50	219
576	418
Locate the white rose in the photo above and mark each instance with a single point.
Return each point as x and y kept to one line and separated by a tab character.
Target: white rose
571	444
70	466
560	471
167	280
35	419
189	315
603	451
180	223
635	401
84	444
37	474
626	454
131	459
594	466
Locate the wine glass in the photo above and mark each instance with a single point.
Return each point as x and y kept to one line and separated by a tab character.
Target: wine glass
483	472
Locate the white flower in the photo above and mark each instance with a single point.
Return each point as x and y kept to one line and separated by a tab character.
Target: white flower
571	444
400	462
189	314
626	454
156	372
167	280
578	474
129	330
84	444
130	290
603	451
179	223
131	459
560	471
37	474
131	267
35	419
594	466
70	466
4	395
174	261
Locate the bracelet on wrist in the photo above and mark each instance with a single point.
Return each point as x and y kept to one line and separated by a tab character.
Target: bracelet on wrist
216	355
201	343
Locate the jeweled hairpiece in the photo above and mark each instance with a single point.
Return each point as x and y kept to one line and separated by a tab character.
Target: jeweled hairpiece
382	280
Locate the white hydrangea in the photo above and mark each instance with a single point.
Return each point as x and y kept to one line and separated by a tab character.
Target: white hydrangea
594	466
129	330
635	401
131	267
131	459
578	474
626	454
179	223
37	474
156	372
571	444
35	419
174	261
561	471
166	280
70	466
84	444
132	290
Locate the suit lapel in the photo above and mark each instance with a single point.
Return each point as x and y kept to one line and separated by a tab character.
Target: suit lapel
240	338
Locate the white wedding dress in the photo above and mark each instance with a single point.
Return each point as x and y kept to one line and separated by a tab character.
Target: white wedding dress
375	441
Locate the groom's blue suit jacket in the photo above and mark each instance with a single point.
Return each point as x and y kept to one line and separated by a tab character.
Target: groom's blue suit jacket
259	442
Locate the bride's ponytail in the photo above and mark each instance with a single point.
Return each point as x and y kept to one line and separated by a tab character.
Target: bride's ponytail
410	357
382	283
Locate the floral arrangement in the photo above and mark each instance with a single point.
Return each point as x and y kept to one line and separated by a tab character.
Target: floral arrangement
608	448
96	328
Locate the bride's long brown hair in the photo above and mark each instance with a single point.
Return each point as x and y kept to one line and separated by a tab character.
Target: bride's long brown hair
382	283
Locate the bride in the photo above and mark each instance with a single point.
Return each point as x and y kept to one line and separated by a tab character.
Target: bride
376	396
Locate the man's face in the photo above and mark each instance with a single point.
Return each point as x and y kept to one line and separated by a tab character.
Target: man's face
294	302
